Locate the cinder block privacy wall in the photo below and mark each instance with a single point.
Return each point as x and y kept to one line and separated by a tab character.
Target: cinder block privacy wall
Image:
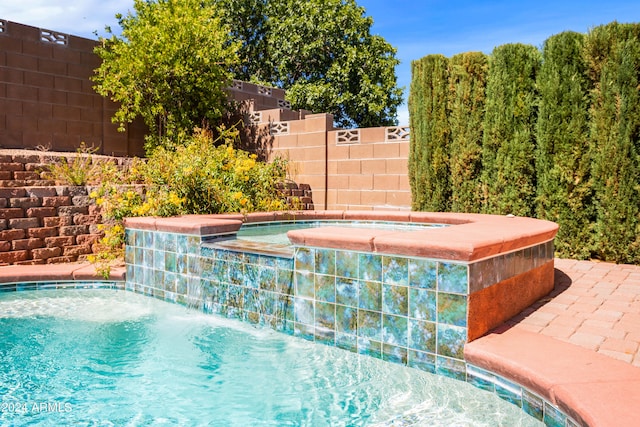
47	100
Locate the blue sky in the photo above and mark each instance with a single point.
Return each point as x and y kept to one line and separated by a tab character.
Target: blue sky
415	27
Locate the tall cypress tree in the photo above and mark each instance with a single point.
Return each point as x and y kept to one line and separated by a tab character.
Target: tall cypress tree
430	135
467	83
509	183
562	162
613	55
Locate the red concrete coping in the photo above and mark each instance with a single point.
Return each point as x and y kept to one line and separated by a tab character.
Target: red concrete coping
470	237
594	389
56	272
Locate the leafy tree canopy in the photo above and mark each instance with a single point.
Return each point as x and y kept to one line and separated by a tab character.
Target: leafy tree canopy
321	52
169	66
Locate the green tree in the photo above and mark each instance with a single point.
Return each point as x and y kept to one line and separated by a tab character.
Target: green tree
429	174
613	55
509	131
321	52
467	83
564	192
169	66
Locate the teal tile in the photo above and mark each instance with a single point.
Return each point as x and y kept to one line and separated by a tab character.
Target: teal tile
370	325
533	405
347	264
452	278
284	281
481	379
304	259
420	360
251	276
236	273
347	342
370	295
395	300
304	311
325	317
553	417
369	347
451	368
451	340
394	354
325	261
422	304
370	267
182	245
171	243
129	253
267	278
346	319
159	241
452	309
422	336
158	278
285	308
395	271
236	297
181	263
305	284
506	390
347	291
325	288
304	331
422	273
194	266
395	330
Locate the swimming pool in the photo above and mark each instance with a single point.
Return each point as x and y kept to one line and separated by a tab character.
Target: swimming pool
105	357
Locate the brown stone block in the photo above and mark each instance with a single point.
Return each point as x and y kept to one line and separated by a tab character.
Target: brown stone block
9	213
51	125
24	223
13	256
87	219
36	167
77	250
26	244
13	166
25	202
25	175
88	239
21	31
30	262
56	201
41	212
46	253
72	210
61	259
58	221
12	183
59	241
9	235
5	246
3	222
68	55
74	230
42	232
6	175
80	99
34	110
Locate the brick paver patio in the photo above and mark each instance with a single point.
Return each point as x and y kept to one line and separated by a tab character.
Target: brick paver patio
594	305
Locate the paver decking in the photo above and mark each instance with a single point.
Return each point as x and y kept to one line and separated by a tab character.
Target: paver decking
594	305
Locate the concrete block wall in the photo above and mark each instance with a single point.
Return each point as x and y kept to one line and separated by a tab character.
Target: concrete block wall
47	97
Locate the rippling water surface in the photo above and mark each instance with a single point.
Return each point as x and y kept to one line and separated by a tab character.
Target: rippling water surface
114	358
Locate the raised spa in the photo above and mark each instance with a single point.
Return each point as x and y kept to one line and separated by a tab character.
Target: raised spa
409	288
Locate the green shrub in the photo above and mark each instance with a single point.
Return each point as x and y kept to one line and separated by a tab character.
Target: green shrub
564	193
508	177
467	83
430	135
613	55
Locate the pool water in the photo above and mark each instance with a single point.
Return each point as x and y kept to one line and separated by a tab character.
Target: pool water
113	358
276	232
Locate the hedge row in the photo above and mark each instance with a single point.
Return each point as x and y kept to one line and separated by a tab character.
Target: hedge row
553	134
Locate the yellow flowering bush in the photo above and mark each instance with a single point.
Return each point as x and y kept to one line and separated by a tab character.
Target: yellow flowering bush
204	176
